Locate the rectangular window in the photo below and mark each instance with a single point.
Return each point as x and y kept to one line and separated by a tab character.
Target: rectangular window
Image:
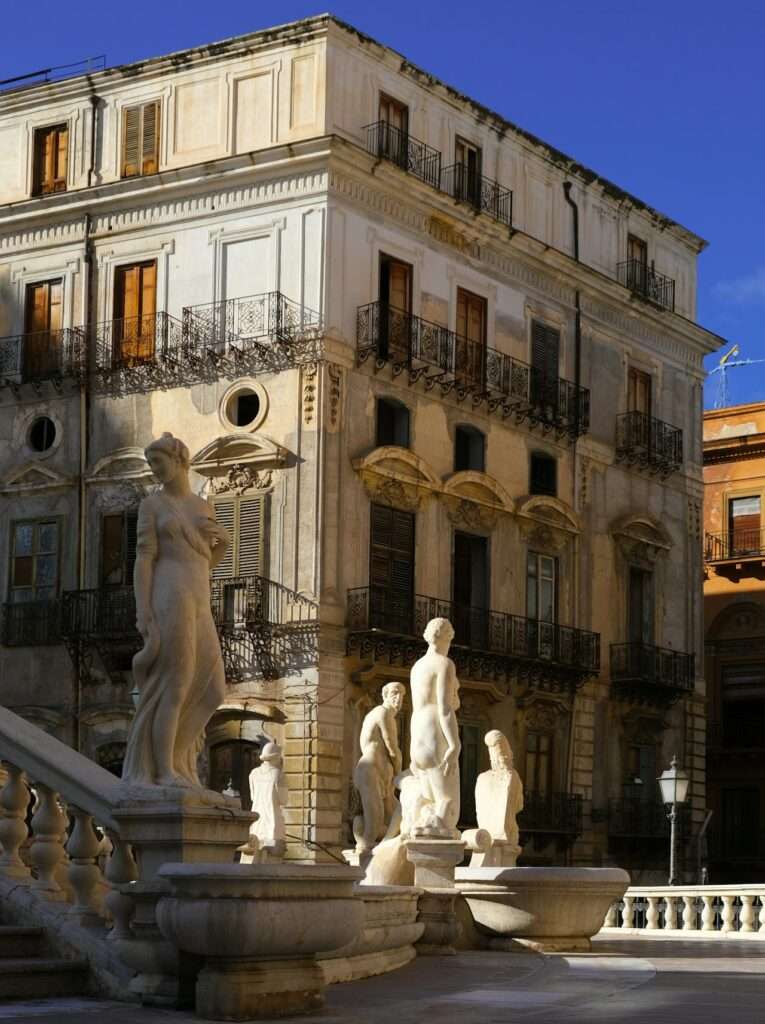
135	308
51	149
467	158
470	343
43	316
640	782
641	606
741	823
394	127
637	250
394	113
538	777
118	548
391	569
470	753
34	561
543	472
639	391
470	589
545	358
244	599
395	324
469	450
542	603
140	139
744	525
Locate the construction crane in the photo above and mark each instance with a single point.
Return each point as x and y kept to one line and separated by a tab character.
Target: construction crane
727	362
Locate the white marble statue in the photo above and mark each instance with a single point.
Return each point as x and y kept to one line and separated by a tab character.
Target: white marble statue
378	765
179	671
432	808
268	794
498	801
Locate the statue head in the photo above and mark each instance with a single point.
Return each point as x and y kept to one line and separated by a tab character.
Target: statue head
393	696
500	751
167	456
271	754
439	633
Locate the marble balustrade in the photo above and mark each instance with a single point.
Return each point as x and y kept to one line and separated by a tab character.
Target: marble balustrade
689	911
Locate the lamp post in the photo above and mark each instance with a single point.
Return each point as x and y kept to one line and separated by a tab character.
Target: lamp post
673	783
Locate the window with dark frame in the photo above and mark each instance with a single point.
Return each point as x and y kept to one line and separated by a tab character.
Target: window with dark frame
391	569
543	474
470	343
639	391
469	763
140	139
467	158
744	522
34	569
538	776
469	449
640	614
51	154
392	426
118	548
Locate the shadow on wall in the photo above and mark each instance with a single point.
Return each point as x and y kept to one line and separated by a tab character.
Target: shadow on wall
10	314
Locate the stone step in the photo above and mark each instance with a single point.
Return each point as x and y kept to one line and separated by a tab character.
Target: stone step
42	978
17	942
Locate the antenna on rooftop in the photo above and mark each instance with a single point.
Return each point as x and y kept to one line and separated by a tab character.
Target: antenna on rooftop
727	362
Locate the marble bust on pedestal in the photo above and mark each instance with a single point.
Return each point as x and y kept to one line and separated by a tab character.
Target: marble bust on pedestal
498	801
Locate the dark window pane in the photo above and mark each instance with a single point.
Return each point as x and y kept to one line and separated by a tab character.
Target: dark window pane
23	538
543	475
23	571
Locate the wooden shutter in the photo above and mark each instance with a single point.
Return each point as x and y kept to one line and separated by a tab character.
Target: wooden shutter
131	136
545	349
391	568
43	315
637	250
51	151
745	524
471	326
639	391
140	140
225	513
399	285
150	138
243	518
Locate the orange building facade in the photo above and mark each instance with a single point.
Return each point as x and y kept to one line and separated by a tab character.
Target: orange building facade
734	626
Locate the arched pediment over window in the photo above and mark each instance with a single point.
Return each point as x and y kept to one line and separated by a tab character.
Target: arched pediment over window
547	522
475	501
397	477
121	464
640	537
739	621
239	462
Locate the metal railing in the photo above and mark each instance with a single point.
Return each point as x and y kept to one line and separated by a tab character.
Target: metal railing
635	818
440	356
107	613
651	442
484	195
39	356
639	664
379	608
559	813
735	544
386	142
32	623
137	343
643	280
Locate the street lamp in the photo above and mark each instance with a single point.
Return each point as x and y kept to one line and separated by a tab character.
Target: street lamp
673	783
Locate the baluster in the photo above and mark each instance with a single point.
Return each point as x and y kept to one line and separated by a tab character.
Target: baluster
48	824
708	913
761	915
670	913
14	799
652	914
689	913
84	873
727	914
120	869
610	921
747	913
628	913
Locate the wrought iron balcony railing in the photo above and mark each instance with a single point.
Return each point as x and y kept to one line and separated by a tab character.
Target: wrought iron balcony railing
643	280
736	545
254	602
141	352
650	443
646	674
437	356
386	622
41	356
484	195
386	142
32	623
557	813
106	614
636	818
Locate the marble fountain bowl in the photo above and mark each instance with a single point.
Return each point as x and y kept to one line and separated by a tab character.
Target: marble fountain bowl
548	909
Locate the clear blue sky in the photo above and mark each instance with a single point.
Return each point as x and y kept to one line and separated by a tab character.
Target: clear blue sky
664	98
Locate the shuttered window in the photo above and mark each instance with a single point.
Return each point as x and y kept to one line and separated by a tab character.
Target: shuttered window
135	308
243	518
140	140
43	321
545	349
391	569
470	343
118	548
745	524
51	152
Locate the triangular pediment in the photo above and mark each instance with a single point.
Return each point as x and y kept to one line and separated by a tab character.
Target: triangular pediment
33	476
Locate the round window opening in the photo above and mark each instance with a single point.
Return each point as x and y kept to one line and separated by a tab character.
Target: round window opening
243	407
42	434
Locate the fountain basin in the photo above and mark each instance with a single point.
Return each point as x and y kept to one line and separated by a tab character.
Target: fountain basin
548	909
260	928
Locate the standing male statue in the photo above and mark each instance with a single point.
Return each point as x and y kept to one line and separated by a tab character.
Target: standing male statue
435	741
498	801
378	765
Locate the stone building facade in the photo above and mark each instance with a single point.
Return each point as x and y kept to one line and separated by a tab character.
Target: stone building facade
424	363
734	624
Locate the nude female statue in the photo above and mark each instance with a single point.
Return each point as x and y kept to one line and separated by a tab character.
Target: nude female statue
179	671
435	743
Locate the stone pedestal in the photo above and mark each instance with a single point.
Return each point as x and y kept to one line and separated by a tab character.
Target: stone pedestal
249	989
183	830
435	861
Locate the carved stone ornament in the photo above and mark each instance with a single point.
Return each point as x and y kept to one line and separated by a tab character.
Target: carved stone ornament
470	515
241	478
643	730
385	490
544	716
544	526
640	541
123	496
335	392
310	385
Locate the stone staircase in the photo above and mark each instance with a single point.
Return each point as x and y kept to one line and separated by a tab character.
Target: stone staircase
28	971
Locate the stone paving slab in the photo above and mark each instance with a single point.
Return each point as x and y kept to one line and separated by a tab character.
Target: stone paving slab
630	981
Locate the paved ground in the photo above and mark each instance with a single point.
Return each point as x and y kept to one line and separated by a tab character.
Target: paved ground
630	981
